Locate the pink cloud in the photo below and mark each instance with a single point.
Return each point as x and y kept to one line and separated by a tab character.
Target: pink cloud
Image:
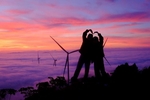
20	25
18	12
141	31
68	21
4	18
126	17
117	26
123	42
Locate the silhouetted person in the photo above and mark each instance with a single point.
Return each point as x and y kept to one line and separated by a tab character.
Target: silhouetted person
98	55
85	57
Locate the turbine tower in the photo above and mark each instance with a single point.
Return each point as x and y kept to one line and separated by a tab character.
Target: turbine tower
67	59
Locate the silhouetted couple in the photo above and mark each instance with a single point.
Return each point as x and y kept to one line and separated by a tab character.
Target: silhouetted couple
91	51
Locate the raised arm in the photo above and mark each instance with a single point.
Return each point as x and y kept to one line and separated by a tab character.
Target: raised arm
101	43
101	39
85	33
91	31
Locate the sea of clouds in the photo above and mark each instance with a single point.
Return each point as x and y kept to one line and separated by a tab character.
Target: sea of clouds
21	69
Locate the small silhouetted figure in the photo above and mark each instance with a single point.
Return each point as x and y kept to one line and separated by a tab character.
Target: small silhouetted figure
85	57
98	55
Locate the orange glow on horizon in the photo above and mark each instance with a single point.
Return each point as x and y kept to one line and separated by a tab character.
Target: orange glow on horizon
67	43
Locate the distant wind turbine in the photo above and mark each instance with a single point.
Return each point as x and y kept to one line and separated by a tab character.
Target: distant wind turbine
38	57
67	59
54	64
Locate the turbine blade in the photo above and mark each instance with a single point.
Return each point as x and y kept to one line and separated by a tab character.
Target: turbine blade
59	44
105	42
73	51
52	56
107	60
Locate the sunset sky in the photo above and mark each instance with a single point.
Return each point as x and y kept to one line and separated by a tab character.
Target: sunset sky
28	24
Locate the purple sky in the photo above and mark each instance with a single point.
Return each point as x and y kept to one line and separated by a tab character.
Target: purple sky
65	20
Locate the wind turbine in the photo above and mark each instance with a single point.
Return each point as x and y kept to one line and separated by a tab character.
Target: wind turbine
67	59
38	57
54	64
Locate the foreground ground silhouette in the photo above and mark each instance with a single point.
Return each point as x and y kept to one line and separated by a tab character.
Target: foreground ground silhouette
126	82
